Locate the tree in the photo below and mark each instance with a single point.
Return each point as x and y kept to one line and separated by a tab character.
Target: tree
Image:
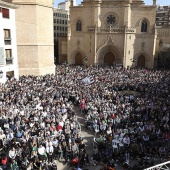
164	59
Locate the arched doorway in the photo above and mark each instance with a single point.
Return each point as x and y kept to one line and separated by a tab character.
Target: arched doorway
141	61
109	58
78	59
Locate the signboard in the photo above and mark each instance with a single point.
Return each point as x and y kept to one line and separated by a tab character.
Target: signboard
2	57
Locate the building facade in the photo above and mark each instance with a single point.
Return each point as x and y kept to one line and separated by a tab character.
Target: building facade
163	16
66	4
35	40
108	32
8	47
61	21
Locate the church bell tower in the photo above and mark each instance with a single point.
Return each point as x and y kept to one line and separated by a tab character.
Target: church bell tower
35	39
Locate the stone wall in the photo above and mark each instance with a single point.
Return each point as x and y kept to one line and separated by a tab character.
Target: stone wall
34	26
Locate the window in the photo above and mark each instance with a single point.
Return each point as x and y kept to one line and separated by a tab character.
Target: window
65	21
54	34
8	53
78	25
65	28
5	13
7	33
7	37
57	28
57	21
54	27
144	26
54	20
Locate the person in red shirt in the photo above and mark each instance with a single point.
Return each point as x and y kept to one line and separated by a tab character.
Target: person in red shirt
166	138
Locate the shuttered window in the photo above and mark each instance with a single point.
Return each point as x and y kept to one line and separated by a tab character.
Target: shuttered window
5	13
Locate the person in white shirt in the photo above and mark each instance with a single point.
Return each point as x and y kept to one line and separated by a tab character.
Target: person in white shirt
12	153
126	141
42	152
10	135
55	145
61	123
2	135
50	151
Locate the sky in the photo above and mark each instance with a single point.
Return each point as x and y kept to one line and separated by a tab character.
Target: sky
147	2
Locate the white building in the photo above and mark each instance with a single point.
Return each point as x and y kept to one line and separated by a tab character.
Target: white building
8	47
66	5
163	16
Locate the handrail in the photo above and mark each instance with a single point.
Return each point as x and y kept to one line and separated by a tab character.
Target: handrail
111	29
159	166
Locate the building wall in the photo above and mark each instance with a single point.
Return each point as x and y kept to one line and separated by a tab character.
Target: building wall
35	37
8	23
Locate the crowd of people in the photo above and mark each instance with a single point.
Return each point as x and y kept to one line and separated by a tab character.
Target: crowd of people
129	109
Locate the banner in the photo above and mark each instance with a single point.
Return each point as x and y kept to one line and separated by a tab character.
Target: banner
88	80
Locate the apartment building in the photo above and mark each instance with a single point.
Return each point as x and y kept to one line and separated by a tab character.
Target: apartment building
61	21
163	16
8	47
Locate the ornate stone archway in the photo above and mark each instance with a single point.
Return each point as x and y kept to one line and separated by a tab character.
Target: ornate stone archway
109	54
109	58
143	60
77	57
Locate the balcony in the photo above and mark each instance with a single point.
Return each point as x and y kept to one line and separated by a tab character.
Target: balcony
111	29
7	40
9	61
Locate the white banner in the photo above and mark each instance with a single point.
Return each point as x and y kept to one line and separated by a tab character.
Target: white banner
88	80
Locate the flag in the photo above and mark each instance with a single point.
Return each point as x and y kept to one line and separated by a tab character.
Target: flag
88	80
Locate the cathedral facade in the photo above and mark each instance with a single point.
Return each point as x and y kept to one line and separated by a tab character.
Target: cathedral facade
112	32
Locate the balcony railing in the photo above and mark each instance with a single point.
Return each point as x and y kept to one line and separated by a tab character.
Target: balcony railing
7	40
9	61
111	29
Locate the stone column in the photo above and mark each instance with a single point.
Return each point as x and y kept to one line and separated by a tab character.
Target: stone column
35	39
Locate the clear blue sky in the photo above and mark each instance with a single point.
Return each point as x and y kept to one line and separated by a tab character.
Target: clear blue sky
147	2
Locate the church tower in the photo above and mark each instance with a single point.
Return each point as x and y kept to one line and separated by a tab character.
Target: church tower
34	29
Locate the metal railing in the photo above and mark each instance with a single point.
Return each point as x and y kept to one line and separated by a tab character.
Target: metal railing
162	166
111	29
9	61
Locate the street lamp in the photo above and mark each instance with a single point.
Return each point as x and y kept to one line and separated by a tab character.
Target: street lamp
133	62
86	60
1	74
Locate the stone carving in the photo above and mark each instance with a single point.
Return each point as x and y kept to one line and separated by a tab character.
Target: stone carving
143	45
78	42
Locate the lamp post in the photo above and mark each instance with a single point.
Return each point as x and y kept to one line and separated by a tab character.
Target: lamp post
86	60
133	61
1	74
65	68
